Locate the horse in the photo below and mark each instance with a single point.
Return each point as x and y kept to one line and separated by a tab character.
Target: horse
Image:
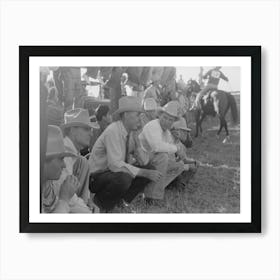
215	103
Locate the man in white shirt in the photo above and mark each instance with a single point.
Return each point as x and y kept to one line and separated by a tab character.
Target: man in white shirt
114	180
156	139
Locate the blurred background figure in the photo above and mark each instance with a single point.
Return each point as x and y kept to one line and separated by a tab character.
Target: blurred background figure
55	111
103	117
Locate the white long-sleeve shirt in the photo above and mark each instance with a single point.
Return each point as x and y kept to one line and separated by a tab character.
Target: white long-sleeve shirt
154	139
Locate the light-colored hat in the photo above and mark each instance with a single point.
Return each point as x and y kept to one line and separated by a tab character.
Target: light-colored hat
55	144
181	124
172	109
150	104
78	117
129	104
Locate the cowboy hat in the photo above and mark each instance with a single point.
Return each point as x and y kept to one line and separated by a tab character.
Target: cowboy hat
172	109
181	124
78	117
150	104
129	104
55	144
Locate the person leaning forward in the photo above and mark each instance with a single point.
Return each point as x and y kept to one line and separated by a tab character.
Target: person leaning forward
77	130
113	179
157	141
53	167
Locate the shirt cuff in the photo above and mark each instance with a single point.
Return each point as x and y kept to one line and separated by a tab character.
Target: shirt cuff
133	170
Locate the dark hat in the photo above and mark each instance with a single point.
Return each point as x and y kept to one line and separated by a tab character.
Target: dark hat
101	110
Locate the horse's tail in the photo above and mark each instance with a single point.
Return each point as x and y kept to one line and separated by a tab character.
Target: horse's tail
233	107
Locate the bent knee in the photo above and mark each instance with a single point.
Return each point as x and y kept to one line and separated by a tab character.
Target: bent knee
123	180
160	160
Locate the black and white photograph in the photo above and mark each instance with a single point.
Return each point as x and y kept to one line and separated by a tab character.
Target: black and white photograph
135	141
138	143
139	140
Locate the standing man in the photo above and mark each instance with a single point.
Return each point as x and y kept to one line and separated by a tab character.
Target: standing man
53	167
72	86
113	179
214	75
156	139
200	77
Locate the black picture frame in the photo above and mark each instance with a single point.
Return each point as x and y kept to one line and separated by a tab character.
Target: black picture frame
25	52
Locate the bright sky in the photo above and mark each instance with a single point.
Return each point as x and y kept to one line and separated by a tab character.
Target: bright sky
233	74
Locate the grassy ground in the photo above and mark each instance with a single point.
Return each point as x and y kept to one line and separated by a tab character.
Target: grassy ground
215	187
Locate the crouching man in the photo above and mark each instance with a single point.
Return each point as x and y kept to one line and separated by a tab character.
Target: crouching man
114	180
53	166
157	141
77	130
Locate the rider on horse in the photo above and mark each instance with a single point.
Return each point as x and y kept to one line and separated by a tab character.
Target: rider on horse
214	75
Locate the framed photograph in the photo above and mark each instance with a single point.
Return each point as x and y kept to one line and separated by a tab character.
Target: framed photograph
140	139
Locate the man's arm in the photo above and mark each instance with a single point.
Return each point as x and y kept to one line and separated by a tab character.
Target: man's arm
224	77
206	75
153	137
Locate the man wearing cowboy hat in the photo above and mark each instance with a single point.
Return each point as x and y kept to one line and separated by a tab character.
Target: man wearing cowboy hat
77	130
54	164
156	139
113	179
139	156
181	132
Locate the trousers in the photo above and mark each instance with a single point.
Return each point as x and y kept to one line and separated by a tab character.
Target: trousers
170	170
110	187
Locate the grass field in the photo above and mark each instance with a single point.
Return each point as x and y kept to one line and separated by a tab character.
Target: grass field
215	188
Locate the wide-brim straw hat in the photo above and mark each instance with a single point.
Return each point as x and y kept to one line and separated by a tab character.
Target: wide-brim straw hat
55	145
181	124
172	109
78	117
129	104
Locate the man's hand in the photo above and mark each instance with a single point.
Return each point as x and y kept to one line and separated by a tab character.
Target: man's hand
181	152
68	188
